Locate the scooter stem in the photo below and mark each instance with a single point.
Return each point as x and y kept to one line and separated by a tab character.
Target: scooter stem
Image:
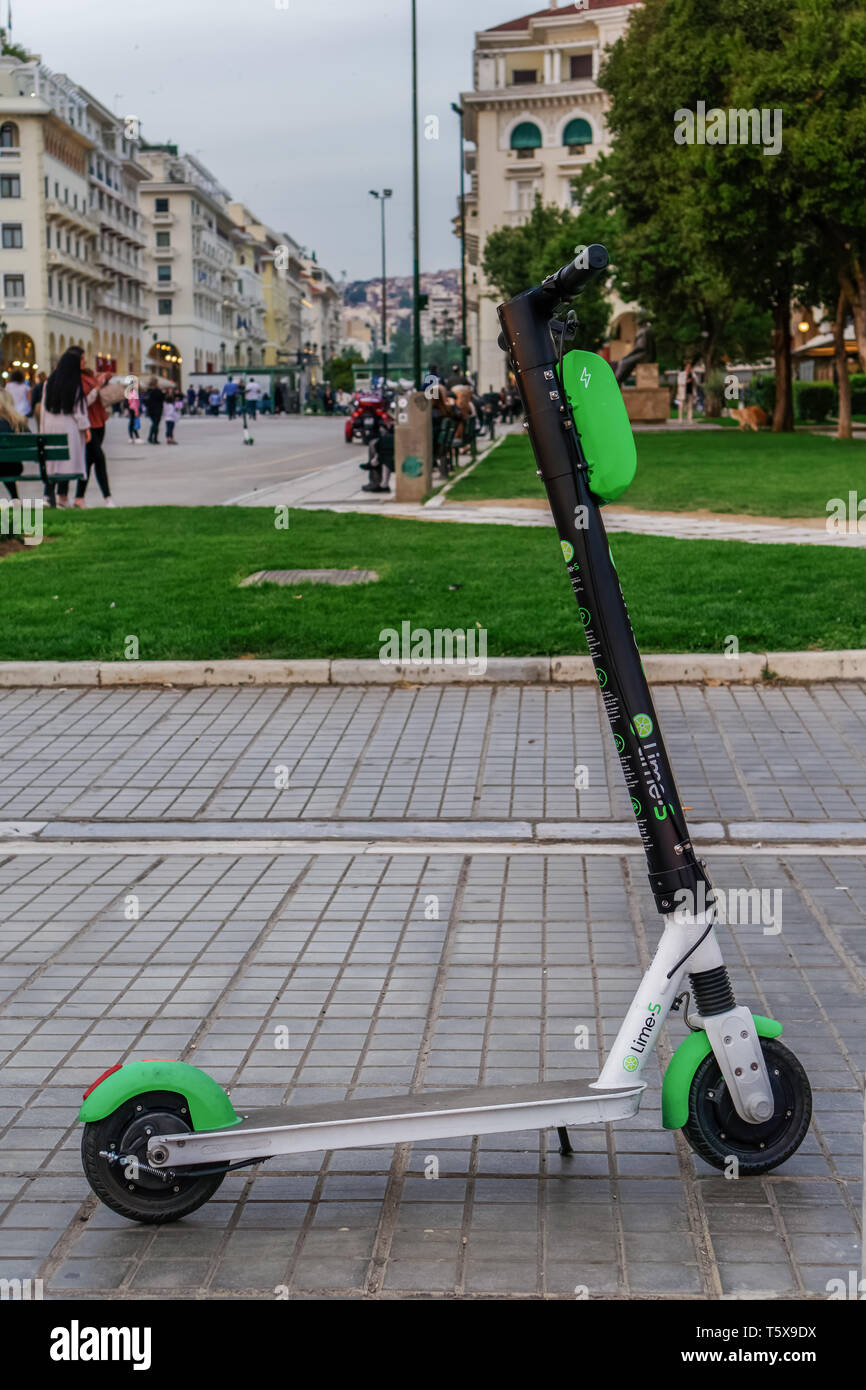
674	872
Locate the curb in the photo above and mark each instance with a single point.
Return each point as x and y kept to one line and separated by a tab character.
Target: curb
679	668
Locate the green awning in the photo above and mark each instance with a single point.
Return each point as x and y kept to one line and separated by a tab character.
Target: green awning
577	132
526	136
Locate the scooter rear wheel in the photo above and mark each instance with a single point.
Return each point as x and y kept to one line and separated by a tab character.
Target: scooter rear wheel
716	1132
138	1195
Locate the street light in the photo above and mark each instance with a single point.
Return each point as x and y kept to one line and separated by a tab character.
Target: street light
416	220
458	111
380	198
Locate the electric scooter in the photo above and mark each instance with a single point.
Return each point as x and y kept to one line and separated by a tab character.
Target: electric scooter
160	1136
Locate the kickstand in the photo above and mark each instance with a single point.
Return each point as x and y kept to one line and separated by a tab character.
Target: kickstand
564	1142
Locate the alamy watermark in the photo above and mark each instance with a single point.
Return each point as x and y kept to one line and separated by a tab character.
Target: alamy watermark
734	906
735	126
438	646
22	519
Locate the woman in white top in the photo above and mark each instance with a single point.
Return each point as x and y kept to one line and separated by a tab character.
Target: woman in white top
64	412
19	390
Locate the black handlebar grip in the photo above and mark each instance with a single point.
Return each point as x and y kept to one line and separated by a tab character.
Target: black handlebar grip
574	277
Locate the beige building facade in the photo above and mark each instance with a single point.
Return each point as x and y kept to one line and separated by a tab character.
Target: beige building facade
536	117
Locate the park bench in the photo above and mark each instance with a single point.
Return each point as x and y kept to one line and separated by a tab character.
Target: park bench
36	450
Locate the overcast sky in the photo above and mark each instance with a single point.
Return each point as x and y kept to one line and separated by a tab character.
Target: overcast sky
299	112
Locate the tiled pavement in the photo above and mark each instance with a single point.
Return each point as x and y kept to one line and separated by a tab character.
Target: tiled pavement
392	970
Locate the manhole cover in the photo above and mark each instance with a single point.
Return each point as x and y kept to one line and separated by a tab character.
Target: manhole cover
294	577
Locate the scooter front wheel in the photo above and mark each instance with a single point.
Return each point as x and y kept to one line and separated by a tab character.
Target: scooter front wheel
716	1132
125	1183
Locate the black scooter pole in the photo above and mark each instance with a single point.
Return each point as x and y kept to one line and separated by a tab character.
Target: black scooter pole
673	868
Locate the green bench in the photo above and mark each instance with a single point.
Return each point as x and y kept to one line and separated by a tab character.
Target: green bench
36	450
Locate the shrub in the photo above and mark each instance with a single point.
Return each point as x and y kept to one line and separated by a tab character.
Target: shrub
761	391
814	400
858	393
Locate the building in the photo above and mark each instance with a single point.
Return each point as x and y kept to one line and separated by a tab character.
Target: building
281	271
191	258
51	272
120	303
321	329
536	117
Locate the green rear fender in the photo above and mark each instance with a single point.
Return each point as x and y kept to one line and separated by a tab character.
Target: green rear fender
685	1062
209	1106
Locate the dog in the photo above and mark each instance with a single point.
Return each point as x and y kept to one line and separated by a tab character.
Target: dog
750	417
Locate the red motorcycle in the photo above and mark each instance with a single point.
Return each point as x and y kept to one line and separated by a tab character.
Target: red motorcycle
368	419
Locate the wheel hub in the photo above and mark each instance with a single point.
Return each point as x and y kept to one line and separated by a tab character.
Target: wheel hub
134	1141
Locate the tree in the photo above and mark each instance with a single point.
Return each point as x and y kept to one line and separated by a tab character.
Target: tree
517	257
339	370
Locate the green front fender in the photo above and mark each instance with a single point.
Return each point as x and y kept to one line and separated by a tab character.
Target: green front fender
685	1062
209	1106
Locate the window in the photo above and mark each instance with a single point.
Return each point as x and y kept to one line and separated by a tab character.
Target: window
577	135
46	185
581	66
9	136
10	186
78	296
48	237
521	76
13	236
526	136
160	205
57	191
163	272
163	306
51	287
13	286
163	239
525	194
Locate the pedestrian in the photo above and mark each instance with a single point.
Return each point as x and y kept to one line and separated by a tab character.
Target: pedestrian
253	394
91	384
172	406
154	401
190	400
64	412
11	421
19	389
203	399
278	398
685	396
36	396
328	401
214	402
230	396
133	405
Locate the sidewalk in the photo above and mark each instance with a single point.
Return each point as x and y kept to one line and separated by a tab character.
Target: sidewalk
420	908
337	488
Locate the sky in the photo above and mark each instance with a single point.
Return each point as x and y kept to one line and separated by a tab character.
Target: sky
297	111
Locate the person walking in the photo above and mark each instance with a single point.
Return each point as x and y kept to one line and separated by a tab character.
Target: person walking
133	405
64	412
203	399
19	389
686	391
11	422
171	409
36	396
190	400
91	385
154	401
254	394
230	395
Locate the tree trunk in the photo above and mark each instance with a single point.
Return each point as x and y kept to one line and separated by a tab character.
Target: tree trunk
841	358
853	285
783	415
712	390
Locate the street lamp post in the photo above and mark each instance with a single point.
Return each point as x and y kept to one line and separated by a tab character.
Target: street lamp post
416	252
458	110
380	198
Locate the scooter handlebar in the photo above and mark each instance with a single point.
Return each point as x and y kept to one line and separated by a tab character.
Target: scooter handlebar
574	277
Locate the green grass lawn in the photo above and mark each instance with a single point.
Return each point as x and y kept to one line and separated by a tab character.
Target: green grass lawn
169	576
760	474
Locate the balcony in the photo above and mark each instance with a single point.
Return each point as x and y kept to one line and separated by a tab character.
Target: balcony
163	219
164	286
65	212
10	152
87	270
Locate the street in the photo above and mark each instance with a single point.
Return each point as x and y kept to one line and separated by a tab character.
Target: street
210	465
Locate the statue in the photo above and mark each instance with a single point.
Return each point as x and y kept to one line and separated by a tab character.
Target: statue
644	350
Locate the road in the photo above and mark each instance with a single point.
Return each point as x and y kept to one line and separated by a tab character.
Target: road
210	465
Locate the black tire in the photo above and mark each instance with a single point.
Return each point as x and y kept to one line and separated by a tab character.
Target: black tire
716	1132
149	1199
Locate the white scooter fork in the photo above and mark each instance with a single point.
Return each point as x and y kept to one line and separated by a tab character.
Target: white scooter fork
731	1033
